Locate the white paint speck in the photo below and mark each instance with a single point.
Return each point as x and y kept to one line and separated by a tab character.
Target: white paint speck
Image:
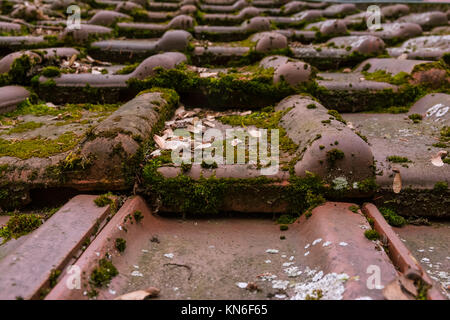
280	284
169	255
343	244
241	285
306	253
326	244
136	273
272	251
317	241
268	261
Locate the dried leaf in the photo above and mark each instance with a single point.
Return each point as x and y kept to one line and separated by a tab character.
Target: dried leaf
140	294
408	285
255	133
235	142
397	185
159	141
72	60
437	159
203	146
209	124
393	291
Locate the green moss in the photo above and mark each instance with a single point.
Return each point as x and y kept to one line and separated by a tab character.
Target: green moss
337	116
138	216
103	274
121	244
286	219
185	167
54	274
128	69
19	225
208	165
353	208
51	72
382	76
38	147
415	117
397	159
440	186
422	289
439	145
104	200
239	90
25	126
21	70
372	234
267	119
311	106
445	133
284	227
334	155
392	217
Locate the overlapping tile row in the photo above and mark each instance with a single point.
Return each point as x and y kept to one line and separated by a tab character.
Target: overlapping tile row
216	55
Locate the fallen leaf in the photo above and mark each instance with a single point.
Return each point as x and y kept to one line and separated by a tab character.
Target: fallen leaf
251	286
151	292
159	141
203	146
397	185
235	142
437	159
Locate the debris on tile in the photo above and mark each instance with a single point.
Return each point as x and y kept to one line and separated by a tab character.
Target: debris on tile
136	273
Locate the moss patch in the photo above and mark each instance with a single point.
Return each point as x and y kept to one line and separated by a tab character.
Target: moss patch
103	274
334	155
104	200
372	234
392	217
121	244
38	147
397	159
20	225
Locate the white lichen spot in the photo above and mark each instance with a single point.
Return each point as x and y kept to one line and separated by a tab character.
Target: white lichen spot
272	251
340	183
326	244
317	241
136	273
330	285
280	284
